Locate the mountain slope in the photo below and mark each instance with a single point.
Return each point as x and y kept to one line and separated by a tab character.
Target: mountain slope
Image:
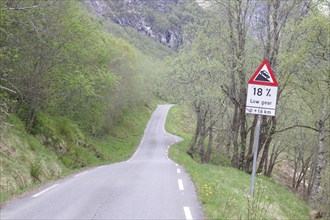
162	20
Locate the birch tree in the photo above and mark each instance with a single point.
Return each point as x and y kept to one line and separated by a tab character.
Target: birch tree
310	55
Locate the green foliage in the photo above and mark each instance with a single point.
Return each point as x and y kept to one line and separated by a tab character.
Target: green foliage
306	59
62	136
24	160
58	60
70	82
149	47
257	206
210	74
56	146
223	191
35	170
125	135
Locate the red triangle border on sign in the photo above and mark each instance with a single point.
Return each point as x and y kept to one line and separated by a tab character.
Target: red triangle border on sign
253	81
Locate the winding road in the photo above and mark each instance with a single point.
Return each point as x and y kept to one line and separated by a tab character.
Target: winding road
147	186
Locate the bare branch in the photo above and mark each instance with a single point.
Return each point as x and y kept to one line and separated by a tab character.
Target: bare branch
297	126
7	89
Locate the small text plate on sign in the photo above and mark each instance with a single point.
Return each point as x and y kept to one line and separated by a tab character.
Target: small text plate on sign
261	100
262	91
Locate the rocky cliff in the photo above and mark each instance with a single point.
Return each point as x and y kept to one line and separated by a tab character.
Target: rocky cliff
162	20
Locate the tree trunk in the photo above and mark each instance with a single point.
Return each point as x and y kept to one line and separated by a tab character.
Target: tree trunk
320	157
241	30
276	151
311	179
249	156
201	141
295	168
262	139
202	135
192	149
209	147
235	127
268	132
264	155
32	114
242	131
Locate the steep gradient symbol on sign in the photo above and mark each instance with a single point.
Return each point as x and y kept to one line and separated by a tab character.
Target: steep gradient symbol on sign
264	75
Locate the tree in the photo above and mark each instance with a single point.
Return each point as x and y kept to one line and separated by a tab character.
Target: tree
64	63
238	20
270	26
311	69
194	77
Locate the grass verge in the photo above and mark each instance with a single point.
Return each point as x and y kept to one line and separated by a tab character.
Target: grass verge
57	147
223	191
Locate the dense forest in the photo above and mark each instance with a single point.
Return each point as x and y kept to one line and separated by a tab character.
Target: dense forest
65	65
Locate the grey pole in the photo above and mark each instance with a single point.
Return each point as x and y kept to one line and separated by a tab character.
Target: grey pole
255	155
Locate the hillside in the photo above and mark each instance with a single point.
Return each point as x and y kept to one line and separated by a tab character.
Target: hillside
58	148
223	190
161	20
72	95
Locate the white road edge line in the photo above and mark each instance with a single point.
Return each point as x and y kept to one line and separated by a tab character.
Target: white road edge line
178	170
142	139
180	184
168	158
45	190
187	213
79	174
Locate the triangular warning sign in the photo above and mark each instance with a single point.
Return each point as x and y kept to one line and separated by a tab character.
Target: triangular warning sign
264	75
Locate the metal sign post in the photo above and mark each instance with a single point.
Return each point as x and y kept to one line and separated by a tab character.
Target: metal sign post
261	100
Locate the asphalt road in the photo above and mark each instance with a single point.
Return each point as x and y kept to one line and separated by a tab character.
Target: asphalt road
148	186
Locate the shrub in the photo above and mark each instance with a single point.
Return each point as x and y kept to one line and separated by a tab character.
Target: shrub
35	171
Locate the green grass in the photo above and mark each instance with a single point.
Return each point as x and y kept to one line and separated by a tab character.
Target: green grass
24	161
125	137
57	147
224	191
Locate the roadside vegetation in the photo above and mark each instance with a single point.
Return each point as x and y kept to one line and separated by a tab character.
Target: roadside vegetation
58	147
223	190
209	75
72	95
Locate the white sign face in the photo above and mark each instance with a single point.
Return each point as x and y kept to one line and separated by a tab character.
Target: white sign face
261	100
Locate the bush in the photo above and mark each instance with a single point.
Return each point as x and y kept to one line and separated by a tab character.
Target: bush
35	171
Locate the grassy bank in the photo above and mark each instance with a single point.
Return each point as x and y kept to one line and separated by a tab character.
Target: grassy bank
57	147
223	191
